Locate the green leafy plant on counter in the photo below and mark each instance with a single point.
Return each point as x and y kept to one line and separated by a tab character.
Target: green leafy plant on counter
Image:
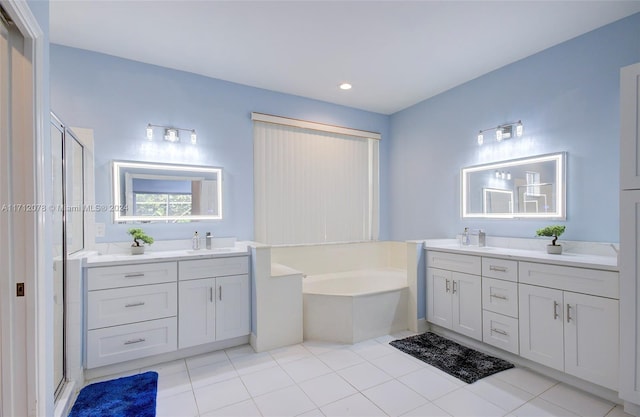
551	231
139	235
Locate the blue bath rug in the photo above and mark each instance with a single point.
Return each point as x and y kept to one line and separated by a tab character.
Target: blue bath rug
464	363
131	396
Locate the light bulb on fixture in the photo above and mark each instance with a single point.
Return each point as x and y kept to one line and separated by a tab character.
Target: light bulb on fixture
345	86
171	135
499	133
480	138
193	137
149	132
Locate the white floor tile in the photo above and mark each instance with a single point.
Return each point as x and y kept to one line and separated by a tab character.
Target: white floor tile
618	411
372	349
207	359
174	383
504	395
526	379
327	388
577	401
267	380
290	353
313	413
183	404
429	384
246	364
318	347
427	410
290	401
304	369
541	408
210	374
167	368
239	351
356	405
341	358
394	398
396	364
463	403
364	375
242	409
221	394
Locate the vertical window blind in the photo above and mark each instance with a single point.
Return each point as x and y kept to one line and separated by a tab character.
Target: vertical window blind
314	183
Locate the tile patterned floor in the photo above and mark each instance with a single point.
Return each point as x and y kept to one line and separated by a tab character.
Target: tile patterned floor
366	379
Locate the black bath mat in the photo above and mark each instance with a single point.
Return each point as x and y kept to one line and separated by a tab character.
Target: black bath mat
462	362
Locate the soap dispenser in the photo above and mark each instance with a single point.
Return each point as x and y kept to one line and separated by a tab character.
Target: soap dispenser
195	241
466	240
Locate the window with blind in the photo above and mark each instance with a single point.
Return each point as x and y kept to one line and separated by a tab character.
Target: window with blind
314	183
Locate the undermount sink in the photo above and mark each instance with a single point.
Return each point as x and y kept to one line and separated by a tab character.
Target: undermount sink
206	251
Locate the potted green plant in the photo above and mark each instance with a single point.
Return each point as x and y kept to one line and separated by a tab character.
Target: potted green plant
555	232
139	237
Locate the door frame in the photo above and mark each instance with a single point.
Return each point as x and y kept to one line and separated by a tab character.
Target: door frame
25	327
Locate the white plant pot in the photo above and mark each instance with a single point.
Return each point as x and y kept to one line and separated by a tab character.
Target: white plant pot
554	249
137	250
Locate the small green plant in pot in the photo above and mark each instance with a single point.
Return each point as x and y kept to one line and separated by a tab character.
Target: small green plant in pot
139	237
555	232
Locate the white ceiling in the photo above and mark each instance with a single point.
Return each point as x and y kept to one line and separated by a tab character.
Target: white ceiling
395	53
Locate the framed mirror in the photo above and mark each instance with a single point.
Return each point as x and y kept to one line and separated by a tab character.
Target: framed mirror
532	187
154	192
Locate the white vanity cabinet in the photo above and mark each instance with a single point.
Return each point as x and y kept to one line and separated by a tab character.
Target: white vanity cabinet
572	331
454	292
131	312
214	300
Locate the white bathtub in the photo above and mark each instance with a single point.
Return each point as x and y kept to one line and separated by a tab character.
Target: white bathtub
348	307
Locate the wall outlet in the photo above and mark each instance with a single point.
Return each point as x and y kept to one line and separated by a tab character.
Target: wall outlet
99	229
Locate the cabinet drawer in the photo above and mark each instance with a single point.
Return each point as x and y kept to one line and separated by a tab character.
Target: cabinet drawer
214	267
581	280
130	341
500	296
104	277
500	331
500	268
129	305
467	264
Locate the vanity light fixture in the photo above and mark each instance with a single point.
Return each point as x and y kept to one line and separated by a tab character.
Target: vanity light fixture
172	134
503	131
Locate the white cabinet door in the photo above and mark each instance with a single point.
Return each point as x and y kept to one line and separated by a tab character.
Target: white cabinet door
541	327
466	291
196	312
439	297
232	307
629	127
591	338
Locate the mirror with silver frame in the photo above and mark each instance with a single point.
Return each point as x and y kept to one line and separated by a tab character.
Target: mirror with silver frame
532	187
156	192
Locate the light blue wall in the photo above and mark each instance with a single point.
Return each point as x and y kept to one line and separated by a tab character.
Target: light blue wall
568	99
118	97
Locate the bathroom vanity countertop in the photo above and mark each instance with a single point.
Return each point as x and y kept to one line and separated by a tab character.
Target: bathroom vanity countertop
167	255
567	258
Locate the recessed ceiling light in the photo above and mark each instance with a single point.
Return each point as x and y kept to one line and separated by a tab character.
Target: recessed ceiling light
345	86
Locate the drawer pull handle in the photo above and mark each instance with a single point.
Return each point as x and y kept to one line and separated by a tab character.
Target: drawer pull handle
568	313
555	310
454	287
211	294
502	332
446	288
497	268
139	303
500	297
220	294
131	342
141	274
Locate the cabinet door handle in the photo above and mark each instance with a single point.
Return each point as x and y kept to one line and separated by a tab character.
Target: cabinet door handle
454	287
500	297
447	286
497	268
568	313
139	303
131	342
211	294
502	332
134	275
220	294
555	310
